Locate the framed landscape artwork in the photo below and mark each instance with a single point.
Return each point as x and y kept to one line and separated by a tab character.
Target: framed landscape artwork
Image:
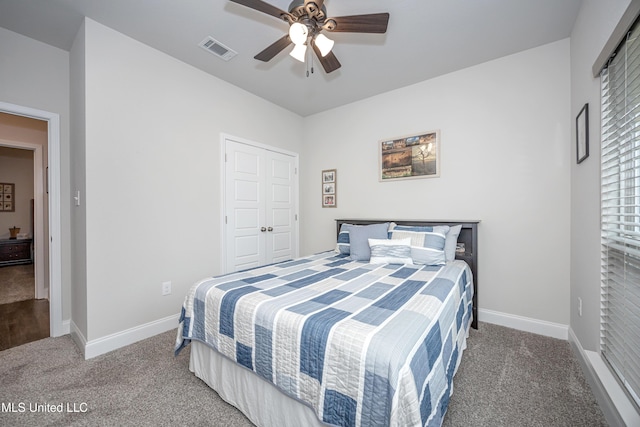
409	157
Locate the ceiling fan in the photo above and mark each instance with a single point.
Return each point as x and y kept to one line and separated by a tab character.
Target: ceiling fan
307	19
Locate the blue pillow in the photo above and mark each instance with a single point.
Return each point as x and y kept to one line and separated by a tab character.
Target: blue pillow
344	246
450	242
427	243
359	236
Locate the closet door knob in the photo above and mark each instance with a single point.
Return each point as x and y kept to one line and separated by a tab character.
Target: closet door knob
270	229
263	229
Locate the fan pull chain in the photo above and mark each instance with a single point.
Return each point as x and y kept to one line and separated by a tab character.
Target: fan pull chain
308	60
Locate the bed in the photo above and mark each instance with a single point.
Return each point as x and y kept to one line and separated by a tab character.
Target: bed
340	338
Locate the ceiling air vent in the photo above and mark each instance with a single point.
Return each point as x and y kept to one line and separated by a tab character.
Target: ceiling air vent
217	48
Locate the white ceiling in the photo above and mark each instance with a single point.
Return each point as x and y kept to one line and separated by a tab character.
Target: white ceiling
424	39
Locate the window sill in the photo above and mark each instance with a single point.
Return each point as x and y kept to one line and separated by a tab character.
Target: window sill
617	407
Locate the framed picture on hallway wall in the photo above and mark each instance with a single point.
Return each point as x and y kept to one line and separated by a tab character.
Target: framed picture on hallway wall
7	197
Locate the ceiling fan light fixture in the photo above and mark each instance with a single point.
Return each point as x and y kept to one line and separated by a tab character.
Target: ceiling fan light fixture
307	19
324	44
298	33
299	52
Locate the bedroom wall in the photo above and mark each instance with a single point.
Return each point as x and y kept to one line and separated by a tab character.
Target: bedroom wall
36	75
592	29
505	161
152	175
77	95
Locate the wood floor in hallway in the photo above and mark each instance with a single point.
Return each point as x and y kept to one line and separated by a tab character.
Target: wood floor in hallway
22	322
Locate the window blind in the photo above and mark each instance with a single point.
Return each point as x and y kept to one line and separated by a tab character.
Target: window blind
620	216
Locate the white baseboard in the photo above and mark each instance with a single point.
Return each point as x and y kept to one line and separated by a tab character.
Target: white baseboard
77	337
115	341
616	406
103	345
540	327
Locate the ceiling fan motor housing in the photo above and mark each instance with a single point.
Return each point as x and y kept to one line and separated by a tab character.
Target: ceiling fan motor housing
297	9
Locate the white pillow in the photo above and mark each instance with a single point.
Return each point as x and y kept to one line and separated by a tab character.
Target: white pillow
386	251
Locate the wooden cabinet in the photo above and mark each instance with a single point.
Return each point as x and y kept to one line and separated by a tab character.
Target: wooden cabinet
15	252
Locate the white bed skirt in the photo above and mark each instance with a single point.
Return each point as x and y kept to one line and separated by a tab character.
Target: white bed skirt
259	400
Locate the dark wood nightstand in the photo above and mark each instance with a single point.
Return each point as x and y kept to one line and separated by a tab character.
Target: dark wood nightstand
15	251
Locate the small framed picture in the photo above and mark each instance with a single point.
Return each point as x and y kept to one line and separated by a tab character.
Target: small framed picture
329	175
582	134
329	188
328	201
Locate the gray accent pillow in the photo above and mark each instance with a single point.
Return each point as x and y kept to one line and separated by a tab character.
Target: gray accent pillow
359	236
451	241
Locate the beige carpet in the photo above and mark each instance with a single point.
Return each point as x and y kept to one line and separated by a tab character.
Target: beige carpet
17	283
507	378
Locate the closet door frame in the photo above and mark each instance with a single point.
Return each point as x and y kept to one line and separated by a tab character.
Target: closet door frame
223	213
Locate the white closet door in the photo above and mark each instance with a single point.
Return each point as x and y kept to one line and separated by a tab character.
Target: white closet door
260	206
244	206
280	206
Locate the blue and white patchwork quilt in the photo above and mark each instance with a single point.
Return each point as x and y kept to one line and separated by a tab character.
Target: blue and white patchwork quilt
362	344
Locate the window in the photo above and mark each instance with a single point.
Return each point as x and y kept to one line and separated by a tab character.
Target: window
620	192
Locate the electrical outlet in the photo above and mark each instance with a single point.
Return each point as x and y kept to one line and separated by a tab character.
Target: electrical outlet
579	306
166	288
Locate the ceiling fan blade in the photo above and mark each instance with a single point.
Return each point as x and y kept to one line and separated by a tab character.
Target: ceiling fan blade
372	23
271	51
329	62
263	7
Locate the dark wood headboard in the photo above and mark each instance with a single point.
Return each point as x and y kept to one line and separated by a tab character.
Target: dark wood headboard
468	236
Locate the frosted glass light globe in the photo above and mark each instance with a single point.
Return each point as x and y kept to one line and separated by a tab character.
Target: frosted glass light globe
298	33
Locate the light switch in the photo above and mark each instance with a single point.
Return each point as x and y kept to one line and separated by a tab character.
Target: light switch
77	198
